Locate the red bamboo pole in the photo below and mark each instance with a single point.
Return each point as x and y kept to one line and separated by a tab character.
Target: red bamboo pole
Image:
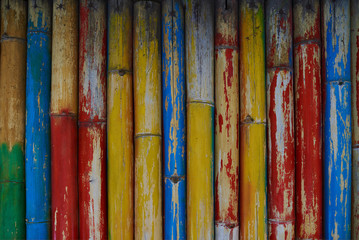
280	112
64	190
92	120
308	119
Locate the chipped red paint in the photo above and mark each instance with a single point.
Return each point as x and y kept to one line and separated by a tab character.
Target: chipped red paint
92	120
64	176
280	109
308	119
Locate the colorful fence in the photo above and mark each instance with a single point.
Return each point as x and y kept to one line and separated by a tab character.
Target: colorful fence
218	119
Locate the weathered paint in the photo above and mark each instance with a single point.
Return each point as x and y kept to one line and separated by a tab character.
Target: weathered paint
280	112
120	121
336	119
12	120
199	35
226	120
64	99
92	120
174	119
37	145
253	173
147	106
354	40
308	119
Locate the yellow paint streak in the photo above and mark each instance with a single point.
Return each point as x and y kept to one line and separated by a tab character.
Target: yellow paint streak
64	78
120	122
253	124
147	105
200	217
148	188
252	181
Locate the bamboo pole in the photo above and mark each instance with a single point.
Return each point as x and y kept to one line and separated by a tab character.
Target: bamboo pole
354	34
174	119
147	105
337	118
253	185
92	120
12	119
200	115
226	119
120	121
308	119
64	99
280	112
37	147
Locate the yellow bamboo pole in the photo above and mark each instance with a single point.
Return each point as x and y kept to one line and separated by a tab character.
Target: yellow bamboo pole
252	121
147	103
199	26
120	120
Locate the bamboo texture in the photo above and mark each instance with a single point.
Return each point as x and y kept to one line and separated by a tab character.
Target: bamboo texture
37	146
120	121
336	119
92	120
226	120
12	120
199	35
64	108
174	119
308	119
148	132
354	40
253	121
280	112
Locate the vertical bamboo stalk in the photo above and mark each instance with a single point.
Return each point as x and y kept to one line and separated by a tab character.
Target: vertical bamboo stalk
253	185
174	119
337	118
37	147
226	120
147	105
199	24
120	121
308	119
64	99
280	112
354	40
92	120
12	119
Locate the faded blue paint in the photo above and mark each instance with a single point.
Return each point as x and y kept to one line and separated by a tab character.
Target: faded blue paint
337	120
174	119
37	146
336	29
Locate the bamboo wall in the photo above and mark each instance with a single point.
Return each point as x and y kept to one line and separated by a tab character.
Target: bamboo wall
176	119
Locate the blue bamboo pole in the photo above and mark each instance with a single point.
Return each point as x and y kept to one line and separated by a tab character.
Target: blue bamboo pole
337	119
174	115
37	147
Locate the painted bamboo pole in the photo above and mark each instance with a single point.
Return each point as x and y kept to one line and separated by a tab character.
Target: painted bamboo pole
337	119
308	119
64	99
199	35
174	119
280	113
37	146
92	120
226	120
253	121
354	40
148	132
120	121
12	119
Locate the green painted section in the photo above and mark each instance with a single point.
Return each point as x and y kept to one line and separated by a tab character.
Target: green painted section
12	192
